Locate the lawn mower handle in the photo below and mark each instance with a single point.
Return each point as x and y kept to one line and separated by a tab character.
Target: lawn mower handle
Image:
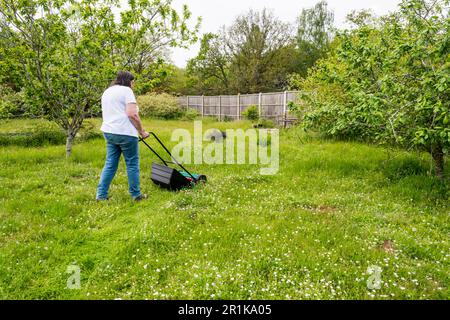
165	162
148	146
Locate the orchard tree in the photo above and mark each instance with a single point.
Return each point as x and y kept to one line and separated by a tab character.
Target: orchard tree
387	82
151	27
10	75
69	51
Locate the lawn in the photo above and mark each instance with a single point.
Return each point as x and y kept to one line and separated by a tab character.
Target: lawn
312	231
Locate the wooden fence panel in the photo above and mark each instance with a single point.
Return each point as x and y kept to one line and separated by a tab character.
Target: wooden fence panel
272	106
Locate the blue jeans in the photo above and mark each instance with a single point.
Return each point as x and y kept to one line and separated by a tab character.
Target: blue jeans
115	146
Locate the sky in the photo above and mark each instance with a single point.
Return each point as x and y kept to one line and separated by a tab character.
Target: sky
216	13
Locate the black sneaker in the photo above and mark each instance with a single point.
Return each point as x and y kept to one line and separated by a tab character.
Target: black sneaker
141	197
101	200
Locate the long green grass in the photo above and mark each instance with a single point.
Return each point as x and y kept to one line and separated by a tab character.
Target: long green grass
310	232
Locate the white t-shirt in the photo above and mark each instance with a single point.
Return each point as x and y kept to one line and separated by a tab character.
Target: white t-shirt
115	119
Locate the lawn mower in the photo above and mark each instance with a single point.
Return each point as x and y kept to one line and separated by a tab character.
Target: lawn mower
170	178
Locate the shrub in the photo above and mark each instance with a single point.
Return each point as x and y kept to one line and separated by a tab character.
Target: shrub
251	113
190	114
44	133
162	106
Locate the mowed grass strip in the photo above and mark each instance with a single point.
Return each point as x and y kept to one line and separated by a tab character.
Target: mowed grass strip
310	232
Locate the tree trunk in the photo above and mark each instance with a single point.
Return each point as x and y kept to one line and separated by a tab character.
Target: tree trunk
438	158
69	143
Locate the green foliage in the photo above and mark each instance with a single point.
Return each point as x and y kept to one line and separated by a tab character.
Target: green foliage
176	82
69	51
256	41
254	54
162	106
314	34
89	131
309	232
209	70
11	103
43	133
190	114
406	166
251	113
386	82
258	52
47	133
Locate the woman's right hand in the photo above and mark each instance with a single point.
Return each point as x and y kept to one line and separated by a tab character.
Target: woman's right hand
144	135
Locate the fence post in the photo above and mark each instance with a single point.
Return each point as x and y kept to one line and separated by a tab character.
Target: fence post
239	106
259	104
187	102
203	106
220	108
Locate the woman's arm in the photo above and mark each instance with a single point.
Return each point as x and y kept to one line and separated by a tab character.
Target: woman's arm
133	115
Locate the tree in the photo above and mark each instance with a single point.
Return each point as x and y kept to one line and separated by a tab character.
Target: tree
314	34
152	27
387	82
254	54
254	43
69	51
10	74
211	67
258	52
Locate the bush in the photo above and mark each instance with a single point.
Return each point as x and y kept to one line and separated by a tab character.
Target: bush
190	114
162	106
251	113
45	133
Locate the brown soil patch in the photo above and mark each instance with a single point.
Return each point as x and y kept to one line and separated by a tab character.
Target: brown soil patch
388	246
326	209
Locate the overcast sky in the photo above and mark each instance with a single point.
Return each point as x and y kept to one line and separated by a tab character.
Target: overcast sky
218	13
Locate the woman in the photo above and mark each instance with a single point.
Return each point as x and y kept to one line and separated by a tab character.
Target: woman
121	128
